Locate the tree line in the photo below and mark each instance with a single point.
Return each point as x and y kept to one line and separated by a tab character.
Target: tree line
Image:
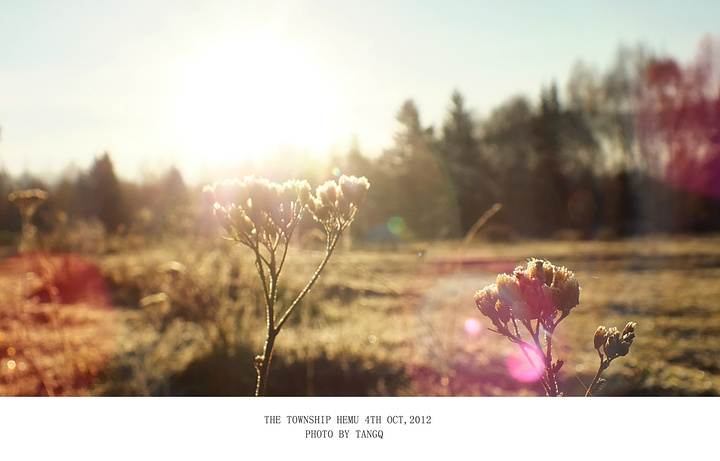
629	150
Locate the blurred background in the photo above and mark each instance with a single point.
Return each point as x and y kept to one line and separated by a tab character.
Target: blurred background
596	127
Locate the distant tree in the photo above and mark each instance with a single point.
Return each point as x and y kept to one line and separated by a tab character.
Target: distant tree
621	90
99	195
10	220
549	181
464	164
167	200
356	164
507	137
678	121
583	88
413	174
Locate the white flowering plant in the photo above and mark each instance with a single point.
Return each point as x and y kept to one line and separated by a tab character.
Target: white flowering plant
263	216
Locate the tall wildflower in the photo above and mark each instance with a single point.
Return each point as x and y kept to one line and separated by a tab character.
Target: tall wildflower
27	202
263	215
528	305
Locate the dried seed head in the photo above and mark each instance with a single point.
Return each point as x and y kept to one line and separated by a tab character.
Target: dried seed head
327	193
618	344
491	304
28	200
485	300
258	207
338	201
628	333
354	189
600	337
539	290
611	343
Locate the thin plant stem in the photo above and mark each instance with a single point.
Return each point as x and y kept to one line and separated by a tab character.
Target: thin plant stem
596	380
329	251
273	330
552	379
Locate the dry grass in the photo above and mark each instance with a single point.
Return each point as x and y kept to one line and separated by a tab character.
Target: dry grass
380	321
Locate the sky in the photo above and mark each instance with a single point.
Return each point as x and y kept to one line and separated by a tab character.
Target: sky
202	84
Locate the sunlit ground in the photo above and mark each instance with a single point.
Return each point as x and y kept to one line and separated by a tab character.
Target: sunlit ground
390	320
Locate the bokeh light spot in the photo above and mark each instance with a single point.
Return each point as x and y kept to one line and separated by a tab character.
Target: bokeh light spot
11	365
473	327
521	368
10	351
396	225
336	172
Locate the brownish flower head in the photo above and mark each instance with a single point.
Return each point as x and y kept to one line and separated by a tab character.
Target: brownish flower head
491	304
618	344
28	200
565	289
538	291
628	333
600	337
518	291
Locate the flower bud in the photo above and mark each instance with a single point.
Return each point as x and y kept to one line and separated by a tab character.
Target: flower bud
354	188
600	337
612	343
628	333
485	301
509	288
327	193
540	270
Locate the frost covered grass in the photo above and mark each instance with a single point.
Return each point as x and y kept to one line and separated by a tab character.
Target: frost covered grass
383	321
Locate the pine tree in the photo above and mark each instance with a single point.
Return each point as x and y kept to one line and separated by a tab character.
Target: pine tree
100	195
465	166
419	192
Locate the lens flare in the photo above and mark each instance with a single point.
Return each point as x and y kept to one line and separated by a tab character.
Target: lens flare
336	172
396	225
473	327
521	368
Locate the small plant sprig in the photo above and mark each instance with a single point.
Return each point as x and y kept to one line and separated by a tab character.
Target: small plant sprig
27	202
610	344
263	216
531	302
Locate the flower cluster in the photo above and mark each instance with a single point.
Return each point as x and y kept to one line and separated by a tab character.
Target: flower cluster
537	297
263	215
336	203
612	343
28	200
256	211
537	292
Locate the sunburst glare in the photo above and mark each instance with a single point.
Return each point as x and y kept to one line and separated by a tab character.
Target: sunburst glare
245	96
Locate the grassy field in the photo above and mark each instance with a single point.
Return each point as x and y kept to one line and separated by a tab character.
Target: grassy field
184	318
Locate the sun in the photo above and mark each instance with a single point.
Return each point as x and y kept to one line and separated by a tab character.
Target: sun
238	98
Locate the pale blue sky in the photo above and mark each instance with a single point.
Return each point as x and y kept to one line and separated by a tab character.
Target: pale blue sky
200	83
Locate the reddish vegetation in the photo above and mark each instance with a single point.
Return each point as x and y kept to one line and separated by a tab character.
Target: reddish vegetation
56	329
58	277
